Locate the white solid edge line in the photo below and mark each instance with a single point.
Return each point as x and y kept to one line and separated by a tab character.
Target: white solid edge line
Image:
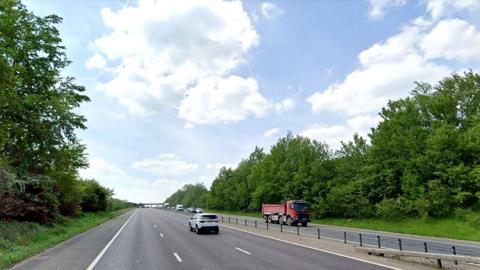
244	251
177	257
317	249
100	255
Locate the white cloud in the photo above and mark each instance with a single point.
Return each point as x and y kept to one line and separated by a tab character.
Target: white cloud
271	132
379	8
166	165
387	71
452	39
223	100
332	135
158	51
442	8
285	105
127	187
270	10
362	123
100	167
96	61
218	166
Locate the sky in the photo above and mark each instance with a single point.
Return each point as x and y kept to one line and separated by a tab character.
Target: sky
180	89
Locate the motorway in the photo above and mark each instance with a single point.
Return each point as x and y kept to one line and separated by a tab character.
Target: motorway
371	238
157	239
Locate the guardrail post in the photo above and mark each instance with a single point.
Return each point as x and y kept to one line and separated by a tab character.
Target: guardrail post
454	253
379	244
360	237
236	220
400	244
245	222
281	227
267	225
344	237
318	233
222	219
228	219
298	230
425	246
439	262
255	224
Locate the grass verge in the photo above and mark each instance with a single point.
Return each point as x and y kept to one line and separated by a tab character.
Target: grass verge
462	227
20	240
453	228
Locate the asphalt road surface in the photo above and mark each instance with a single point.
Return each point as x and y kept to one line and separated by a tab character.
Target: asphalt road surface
371	238
154	239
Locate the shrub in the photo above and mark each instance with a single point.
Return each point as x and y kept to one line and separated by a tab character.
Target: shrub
94	196
397	208
31	198
436	201
347	201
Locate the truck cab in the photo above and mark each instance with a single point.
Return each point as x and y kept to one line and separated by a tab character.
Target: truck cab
299	212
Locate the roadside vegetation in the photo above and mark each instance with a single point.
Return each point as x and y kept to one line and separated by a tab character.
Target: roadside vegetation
20	240
43	200
418	172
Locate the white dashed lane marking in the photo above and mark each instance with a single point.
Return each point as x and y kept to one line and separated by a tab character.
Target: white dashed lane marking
177	257
244	251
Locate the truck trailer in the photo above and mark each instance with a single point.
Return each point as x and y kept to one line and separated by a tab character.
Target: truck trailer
292	212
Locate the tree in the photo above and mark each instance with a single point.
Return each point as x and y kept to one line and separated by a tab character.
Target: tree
37	118
94	197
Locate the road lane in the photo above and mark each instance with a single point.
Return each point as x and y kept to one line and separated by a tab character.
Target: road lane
221	251
139	246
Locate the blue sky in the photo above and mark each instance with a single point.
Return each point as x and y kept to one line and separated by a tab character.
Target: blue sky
181	88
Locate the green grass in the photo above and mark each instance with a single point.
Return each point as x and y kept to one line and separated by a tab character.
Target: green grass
20	240
446	227
463	226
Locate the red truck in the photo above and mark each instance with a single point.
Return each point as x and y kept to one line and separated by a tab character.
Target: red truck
292	212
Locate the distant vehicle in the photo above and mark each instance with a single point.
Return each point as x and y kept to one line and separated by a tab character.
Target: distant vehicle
292	212
203	222
190	209
198	210
179	207
166	205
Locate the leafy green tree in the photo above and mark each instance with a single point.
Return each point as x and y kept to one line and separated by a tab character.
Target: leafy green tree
189	196
94	197
37	118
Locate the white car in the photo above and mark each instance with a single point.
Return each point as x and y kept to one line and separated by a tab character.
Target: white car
203	222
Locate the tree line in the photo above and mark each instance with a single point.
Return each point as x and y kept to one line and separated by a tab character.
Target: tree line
421	160
40	154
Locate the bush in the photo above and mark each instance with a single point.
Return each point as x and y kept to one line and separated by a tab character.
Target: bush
347	201
436	201
397	208
94	196
31	199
